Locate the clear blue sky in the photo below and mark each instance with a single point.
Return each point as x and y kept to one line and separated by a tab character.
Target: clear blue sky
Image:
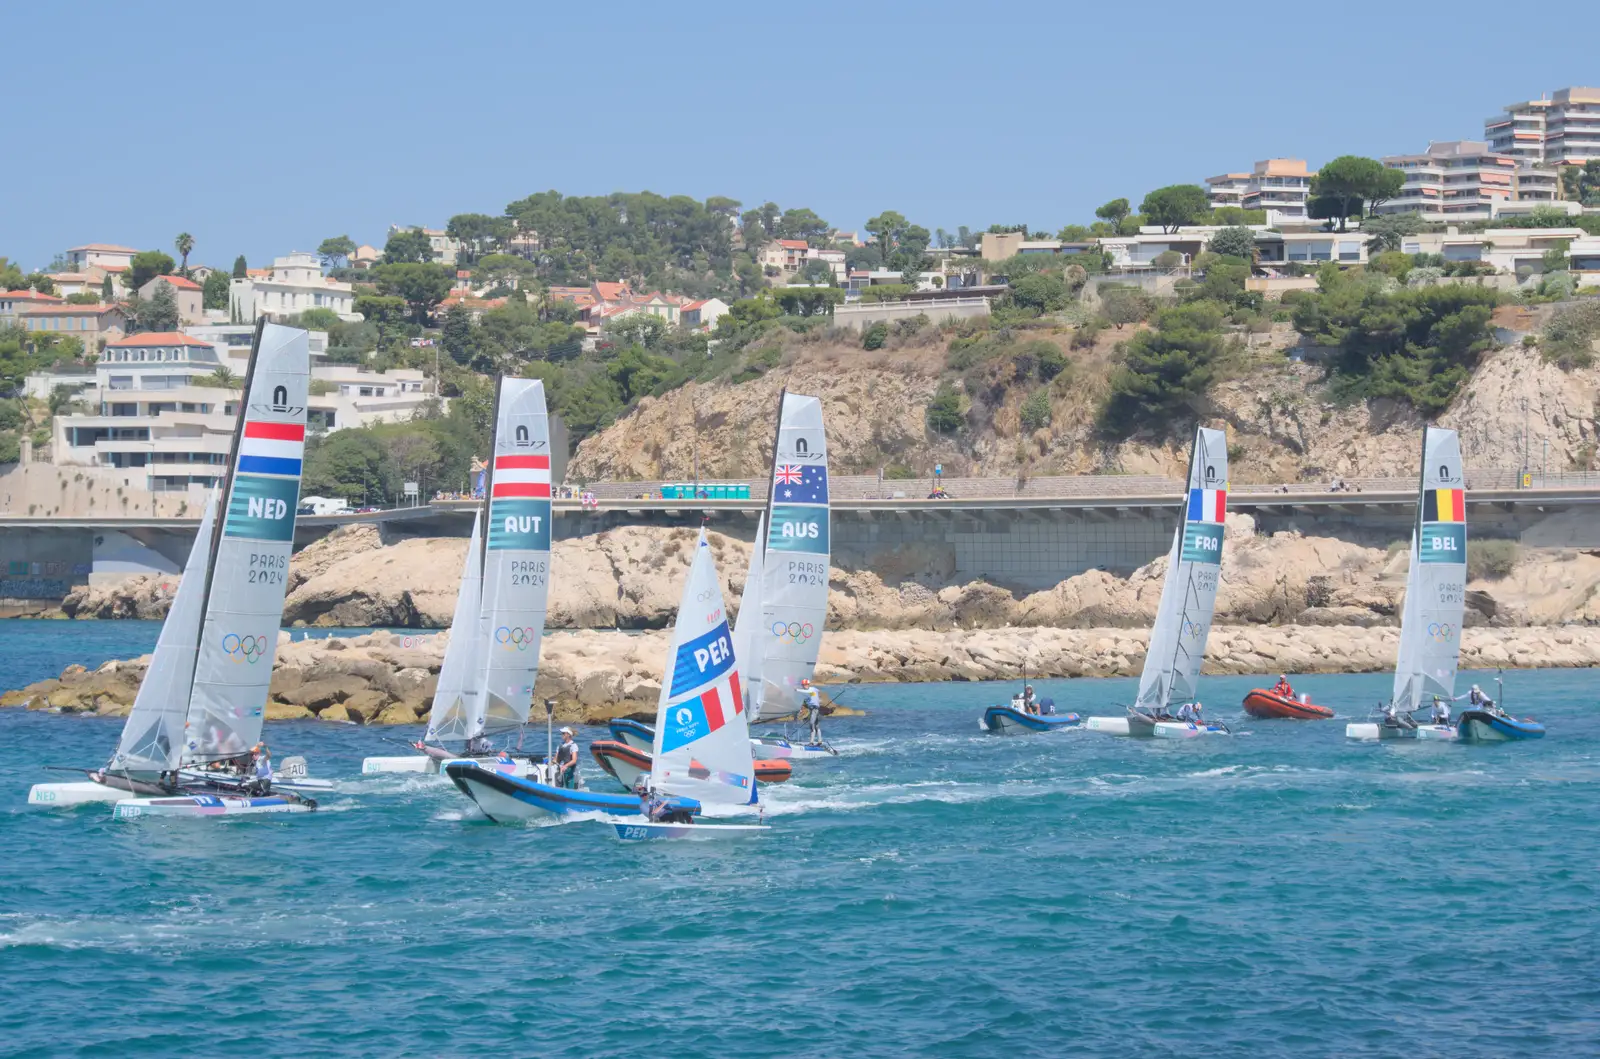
264	129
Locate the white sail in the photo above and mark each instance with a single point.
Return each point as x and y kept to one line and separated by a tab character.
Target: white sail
516	561
152	738
1436	583
702	744
250	567
748	623
794	590
1189	594
455	699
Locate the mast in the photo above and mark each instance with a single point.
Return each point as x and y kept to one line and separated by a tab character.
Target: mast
772	467
1183	524
488	478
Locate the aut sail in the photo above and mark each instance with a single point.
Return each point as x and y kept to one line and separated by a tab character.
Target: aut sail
455	700
250	565
152	738
794	589
748	623
702	745
1436	583
516	560
1189	593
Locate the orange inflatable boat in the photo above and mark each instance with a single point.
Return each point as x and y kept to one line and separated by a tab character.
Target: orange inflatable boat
1269	704
628	764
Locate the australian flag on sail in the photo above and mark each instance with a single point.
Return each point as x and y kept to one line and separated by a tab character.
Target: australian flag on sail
800	484
1208	505
271	448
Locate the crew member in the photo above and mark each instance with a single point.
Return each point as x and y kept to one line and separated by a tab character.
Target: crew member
1477	699
263	756
811	706
567	761
1441	711
1282	687
1028	701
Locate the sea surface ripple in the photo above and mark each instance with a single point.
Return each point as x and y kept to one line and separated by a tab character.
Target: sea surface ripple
932	891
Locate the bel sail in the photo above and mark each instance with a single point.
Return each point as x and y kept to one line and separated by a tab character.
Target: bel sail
455	700
1189	593
702	743
250	562
794	553
516	558
1436	583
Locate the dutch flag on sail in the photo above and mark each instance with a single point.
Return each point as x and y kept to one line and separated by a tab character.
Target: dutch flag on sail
1208	505
272	448
522	476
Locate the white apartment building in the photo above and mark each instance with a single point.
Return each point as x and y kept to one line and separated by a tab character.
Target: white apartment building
147	410
90	255
1562	129
1278	185
291	286
1453	180
1510	250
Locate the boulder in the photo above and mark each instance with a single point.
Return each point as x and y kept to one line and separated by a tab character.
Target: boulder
337	714
317	695
396	713
364	705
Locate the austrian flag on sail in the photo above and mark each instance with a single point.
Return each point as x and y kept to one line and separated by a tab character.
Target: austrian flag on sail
522	476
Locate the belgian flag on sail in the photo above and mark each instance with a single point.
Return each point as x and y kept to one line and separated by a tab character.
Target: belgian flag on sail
1444	505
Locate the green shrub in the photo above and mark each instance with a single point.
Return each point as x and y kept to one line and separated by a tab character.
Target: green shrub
1490	560
1036	410
1570	335
1164	373
898	472
1051	361
944	411
875	336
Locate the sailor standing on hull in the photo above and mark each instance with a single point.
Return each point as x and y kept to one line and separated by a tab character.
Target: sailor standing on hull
811	706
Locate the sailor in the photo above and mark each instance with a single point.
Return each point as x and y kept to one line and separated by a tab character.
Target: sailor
1197	715
478	746
567	761
1441	711
1282	687
811	706
1028	701
1187	711
263	758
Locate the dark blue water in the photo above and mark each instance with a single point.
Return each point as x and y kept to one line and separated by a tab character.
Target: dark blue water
934	891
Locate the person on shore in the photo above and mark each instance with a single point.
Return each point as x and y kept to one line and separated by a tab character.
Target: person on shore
567	761
811	707
1283	687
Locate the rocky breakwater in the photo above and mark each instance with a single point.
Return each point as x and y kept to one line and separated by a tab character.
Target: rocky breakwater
387	678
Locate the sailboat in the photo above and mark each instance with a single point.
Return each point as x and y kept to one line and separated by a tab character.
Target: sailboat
1436	583
784	606
1188	597
486	681
200	708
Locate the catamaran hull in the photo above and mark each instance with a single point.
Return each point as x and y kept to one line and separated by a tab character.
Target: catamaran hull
647	831
1186	729
1479	726
209	805
639	736
1370	732
1134	726
627	765
1003	720
88	792
783	748
513	799
429	766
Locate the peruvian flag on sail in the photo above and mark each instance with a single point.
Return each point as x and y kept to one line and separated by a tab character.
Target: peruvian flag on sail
1208	505
522	476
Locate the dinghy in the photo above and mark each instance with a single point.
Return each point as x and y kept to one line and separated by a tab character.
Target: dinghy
1188	597
1269	705
778	631
1492	726
1430	618
486	681
634	733
626	764
701	748
199	711
1008	720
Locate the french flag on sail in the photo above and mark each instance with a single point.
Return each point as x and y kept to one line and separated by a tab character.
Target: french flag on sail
1208	505
272	448
522	476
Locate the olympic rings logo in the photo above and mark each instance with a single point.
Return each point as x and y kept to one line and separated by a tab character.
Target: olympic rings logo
249	649
792	632
519	638
1193	630
1441	632
410	641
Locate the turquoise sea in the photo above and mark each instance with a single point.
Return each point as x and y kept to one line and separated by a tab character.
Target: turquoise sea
932	892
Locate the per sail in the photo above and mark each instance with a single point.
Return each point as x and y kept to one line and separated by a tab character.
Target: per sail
455	700
794	591
152	739
702	745
1436	584
748	624
244	607
516	562
1189	594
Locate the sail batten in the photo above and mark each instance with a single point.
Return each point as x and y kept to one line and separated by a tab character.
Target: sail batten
794	555
249	566
516	557
1189	590
455	698
1435	603
702	739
